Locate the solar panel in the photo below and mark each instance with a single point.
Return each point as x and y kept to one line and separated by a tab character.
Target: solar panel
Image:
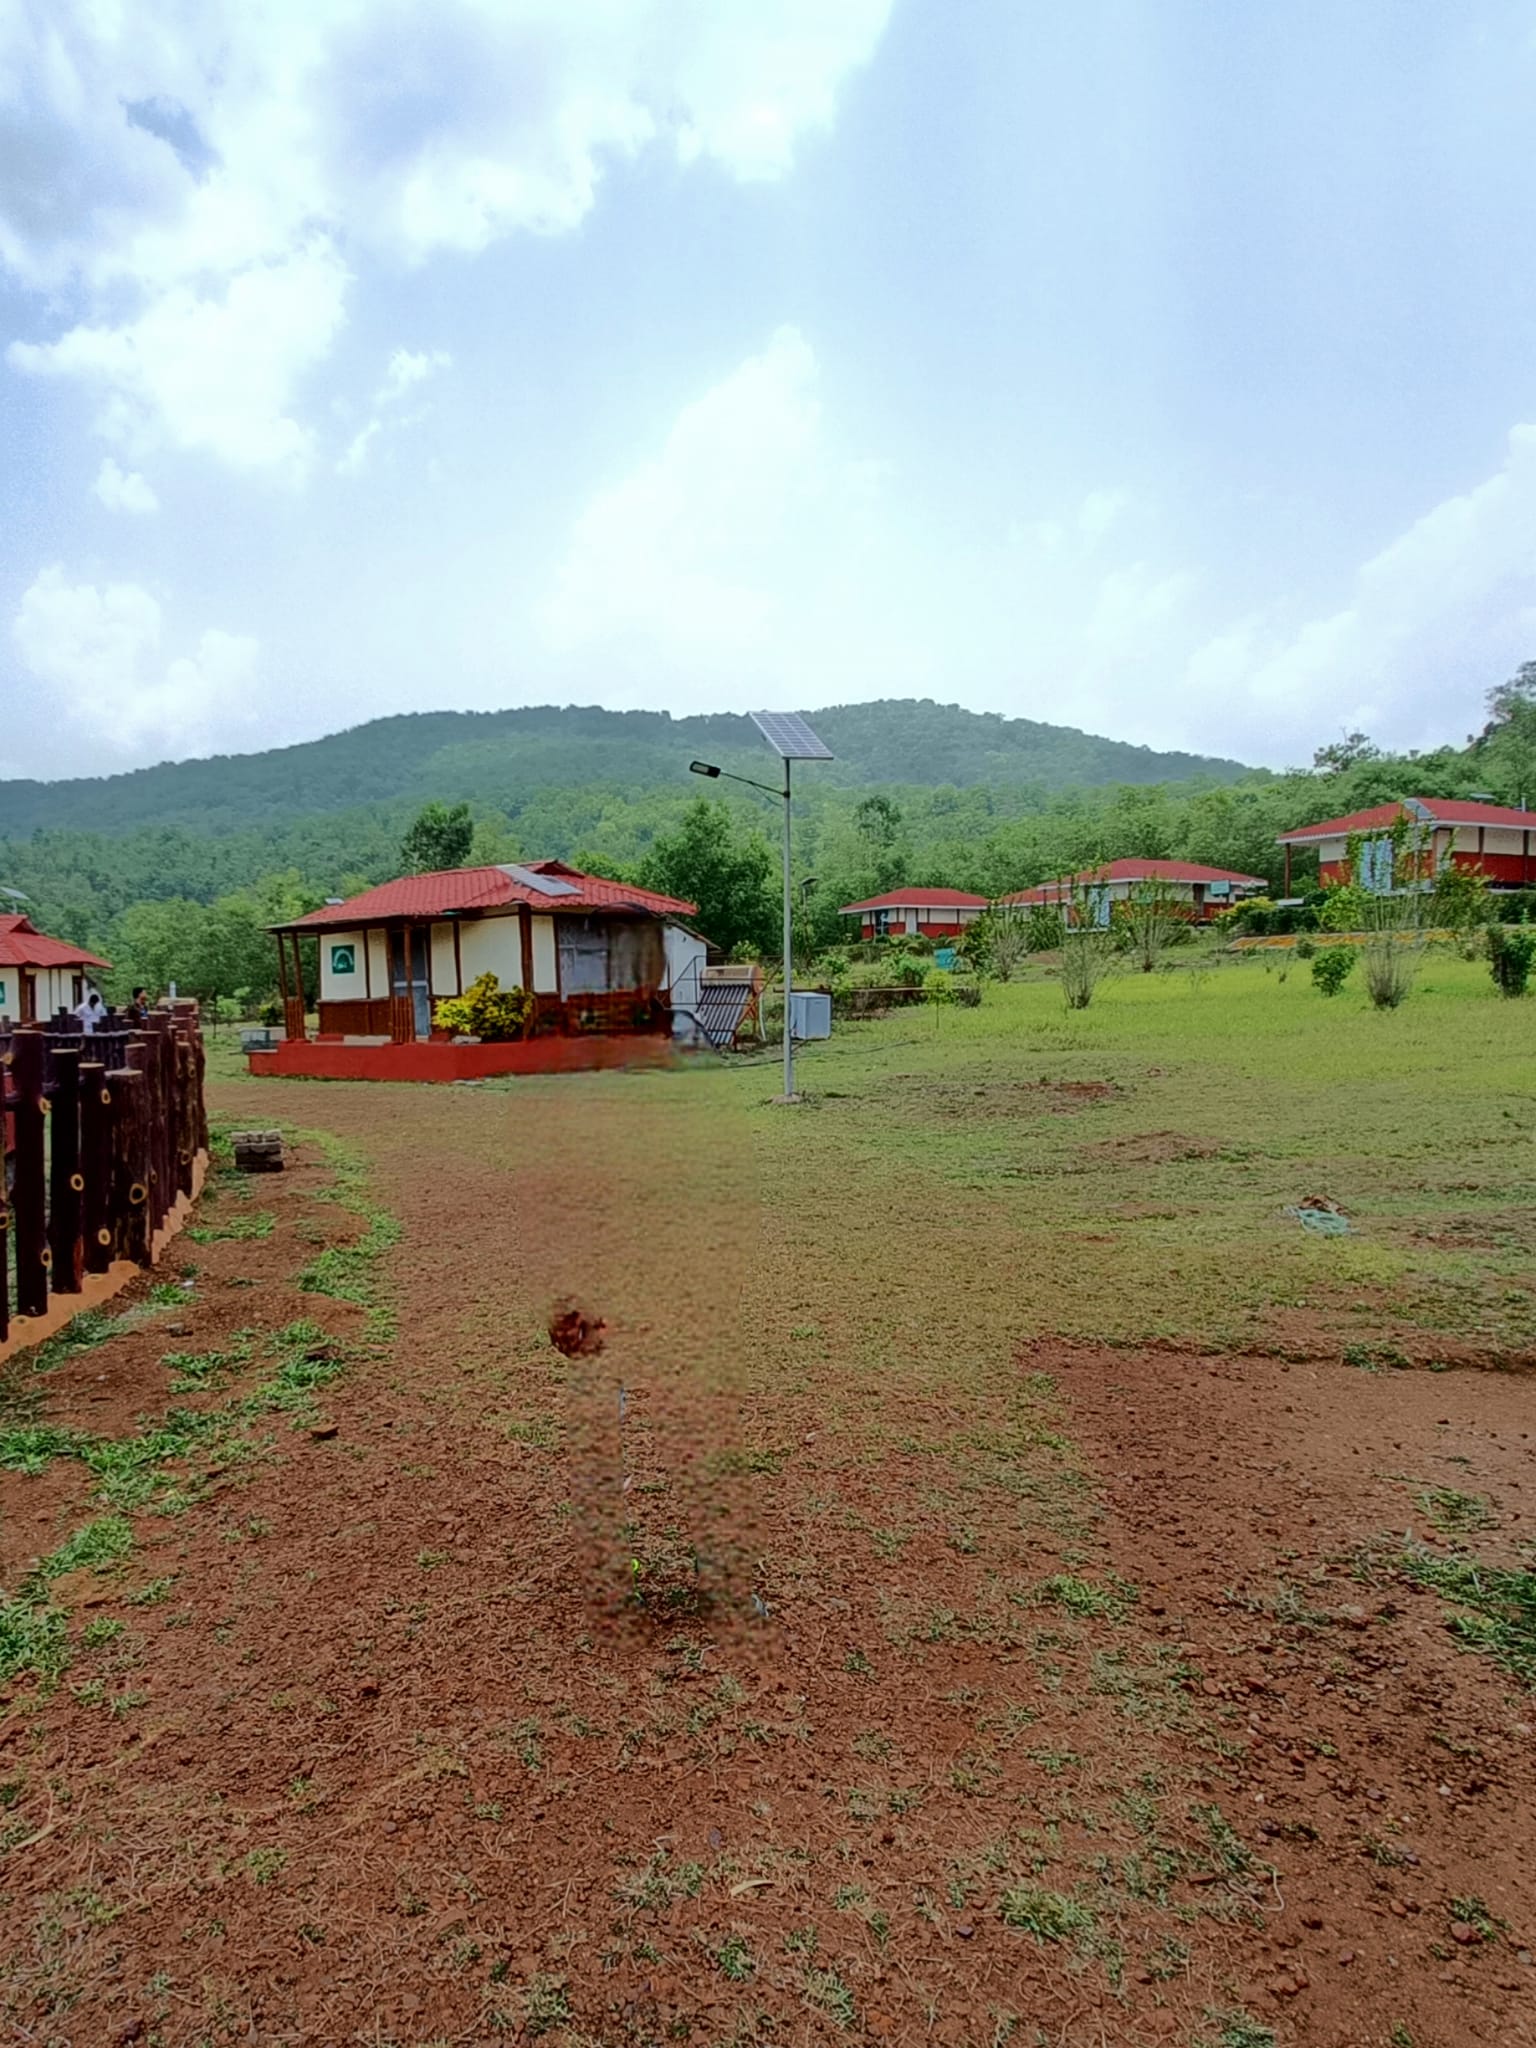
790	737
542	885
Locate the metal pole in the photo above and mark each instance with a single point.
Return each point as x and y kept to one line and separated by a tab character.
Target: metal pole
789	1049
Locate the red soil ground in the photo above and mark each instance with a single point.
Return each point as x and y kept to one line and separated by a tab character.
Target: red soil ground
413	1752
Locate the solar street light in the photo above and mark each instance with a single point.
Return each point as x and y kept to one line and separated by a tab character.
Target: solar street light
792	740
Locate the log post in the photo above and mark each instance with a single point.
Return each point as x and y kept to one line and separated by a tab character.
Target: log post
96	1164
130	1187
65	1185
5	1244
29	1195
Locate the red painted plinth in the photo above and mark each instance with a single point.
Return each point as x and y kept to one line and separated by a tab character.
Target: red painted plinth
327	1059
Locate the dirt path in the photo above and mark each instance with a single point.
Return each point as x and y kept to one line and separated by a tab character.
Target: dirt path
1389	1773
721	1689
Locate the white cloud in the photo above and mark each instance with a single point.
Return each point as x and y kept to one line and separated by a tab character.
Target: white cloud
124	490
1434	610
406	370
210	372
195	167
97	653
738	554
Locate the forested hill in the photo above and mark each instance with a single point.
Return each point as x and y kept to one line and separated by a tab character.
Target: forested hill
501	758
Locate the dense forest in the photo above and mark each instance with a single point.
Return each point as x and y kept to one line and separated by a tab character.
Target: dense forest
506	759
173	872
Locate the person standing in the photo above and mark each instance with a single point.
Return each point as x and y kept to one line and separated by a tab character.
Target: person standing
90	1012
138	1006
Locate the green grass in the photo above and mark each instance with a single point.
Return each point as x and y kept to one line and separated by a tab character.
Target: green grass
1049	1916
1493	1606
139	1472
1121	1173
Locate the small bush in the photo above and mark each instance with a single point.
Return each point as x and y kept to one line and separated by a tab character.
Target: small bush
1044	929
939	985
1511	956
1306	948
1347	909
1332	968
904	971
487	1010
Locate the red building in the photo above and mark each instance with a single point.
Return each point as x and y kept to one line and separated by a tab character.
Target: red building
1198	891
933	913
1493	837
38	975
603	961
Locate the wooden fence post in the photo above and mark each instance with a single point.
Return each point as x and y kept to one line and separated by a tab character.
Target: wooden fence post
29	1194
96	1164
130	1166
65	1184
5	1246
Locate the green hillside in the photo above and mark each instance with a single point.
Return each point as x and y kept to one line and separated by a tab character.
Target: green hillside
502	758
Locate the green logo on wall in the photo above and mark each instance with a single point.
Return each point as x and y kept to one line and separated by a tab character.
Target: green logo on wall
343	959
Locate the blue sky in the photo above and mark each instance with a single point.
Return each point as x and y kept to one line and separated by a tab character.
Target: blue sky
1152	367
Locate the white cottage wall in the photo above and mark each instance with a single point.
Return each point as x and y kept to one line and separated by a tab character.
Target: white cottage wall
492	945
341	984
546	972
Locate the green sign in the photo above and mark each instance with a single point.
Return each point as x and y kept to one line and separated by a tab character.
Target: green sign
343	959
2	995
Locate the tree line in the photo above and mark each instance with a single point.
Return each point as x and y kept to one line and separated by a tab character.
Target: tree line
170	903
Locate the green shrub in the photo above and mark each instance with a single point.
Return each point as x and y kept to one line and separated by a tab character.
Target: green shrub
486	1010
1044	928
1332	968
1511	956
1306	948
939	985
1347	909
905	972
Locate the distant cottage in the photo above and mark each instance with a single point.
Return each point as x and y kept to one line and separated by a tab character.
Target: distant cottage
603	960
1192	891
40	976
929	913
1493	837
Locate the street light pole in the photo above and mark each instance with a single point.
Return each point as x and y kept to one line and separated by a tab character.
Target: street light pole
789	972
792	740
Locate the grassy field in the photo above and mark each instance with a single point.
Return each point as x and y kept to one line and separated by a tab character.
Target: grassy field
967	1600
1122	1172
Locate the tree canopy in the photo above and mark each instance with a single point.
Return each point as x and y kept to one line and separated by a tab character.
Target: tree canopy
439	836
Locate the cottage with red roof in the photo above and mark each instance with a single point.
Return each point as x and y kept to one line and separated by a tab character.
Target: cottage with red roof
601	958
935	913
40	976
1493	837
1195	892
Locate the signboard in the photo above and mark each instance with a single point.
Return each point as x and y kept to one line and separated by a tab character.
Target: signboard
343	959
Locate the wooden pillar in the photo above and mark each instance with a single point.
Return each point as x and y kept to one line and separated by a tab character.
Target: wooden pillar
525	934
293	989
130	1183
65	1185
96	1165
29	1198
1287	868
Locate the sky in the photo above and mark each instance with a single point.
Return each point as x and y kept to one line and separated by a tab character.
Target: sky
1142	365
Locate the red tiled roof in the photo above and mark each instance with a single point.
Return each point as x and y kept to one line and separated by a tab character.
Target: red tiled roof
22	945
1431	810
1135	871
918	899
495	888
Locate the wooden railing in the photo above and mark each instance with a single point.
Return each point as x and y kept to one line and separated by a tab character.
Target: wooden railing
102	1134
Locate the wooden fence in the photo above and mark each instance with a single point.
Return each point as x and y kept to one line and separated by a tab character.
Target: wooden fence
103	1132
